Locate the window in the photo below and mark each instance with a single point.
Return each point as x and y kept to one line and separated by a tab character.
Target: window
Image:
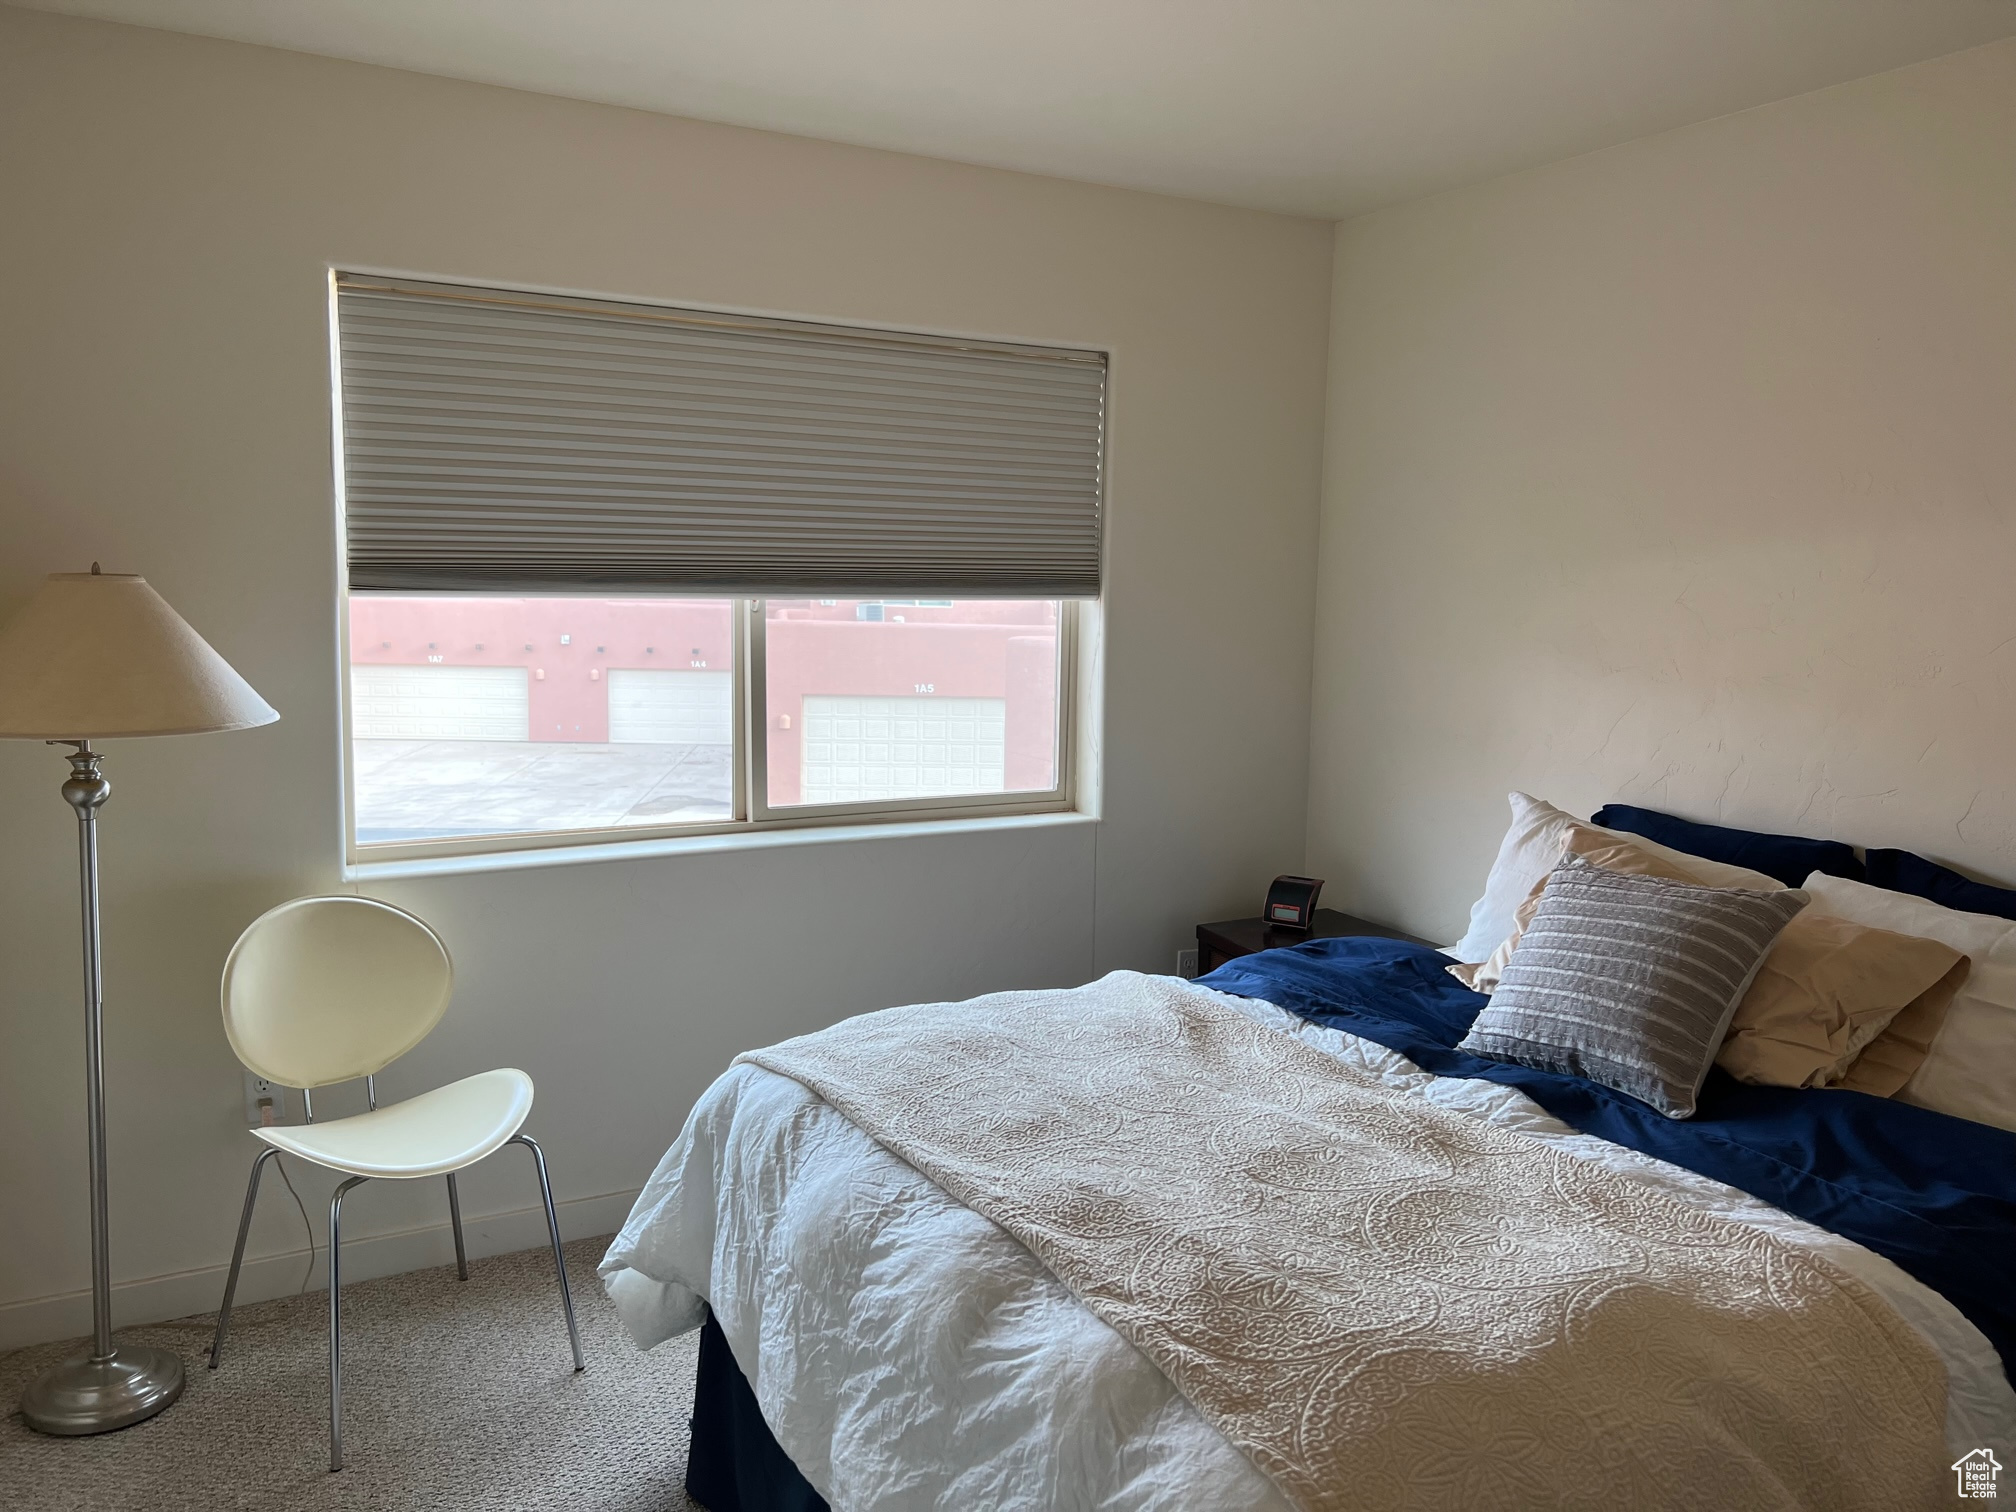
940	700
617	571
481	716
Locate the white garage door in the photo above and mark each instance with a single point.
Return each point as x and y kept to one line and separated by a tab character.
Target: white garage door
671	708
440	703
859	748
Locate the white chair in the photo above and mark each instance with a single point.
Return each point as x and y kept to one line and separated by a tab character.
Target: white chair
325	990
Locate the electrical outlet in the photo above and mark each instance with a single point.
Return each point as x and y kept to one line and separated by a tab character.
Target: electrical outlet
1186	962
265	1101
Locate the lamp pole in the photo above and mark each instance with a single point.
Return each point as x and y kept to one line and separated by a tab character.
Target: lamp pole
86	791
107	1388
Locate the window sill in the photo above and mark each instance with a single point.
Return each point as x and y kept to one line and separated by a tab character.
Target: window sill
696	845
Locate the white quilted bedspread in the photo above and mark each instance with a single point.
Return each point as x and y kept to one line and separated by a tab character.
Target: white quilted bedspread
909	1353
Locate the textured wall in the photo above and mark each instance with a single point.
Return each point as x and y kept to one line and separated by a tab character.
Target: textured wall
168	207
1682	473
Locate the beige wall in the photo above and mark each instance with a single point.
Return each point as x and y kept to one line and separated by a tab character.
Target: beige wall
168	206
1682	473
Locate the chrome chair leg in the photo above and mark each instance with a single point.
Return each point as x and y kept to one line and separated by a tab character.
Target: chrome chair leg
553	1230
336	1322
238	1255
455	1222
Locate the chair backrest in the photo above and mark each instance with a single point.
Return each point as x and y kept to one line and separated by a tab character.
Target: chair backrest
325	990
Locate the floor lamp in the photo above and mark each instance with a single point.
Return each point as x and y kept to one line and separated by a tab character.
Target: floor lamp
100	656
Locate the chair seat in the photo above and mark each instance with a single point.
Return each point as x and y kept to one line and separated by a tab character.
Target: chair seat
429	1135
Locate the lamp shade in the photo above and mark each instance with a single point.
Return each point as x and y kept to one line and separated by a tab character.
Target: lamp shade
97	655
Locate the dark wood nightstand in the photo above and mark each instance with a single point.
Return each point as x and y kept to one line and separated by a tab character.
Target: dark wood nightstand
1232	938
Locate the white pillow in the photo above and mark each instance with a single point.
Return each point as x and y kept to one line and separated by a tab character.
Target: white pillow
1970	1070
1528	852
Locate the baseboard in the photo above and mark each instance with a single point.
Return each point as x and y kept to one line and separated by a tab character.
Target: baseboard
154	1299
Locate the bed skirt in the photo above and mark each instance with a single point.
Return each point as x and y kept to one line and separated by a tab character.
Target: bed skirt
734	1464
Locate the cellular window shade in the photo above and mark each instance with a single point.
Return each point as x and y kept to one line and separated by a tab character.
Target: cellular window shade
496	441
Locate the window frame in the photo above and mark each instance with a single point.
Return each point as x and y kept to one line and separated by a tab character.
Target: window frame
751	812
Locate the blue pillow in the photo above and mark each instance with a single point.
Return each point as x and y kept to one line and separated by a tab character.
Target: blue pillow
1900	871
1786	857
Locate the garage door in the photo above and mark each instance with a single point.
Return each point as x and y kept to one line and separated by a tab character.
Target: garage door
440	703
861	748
671	708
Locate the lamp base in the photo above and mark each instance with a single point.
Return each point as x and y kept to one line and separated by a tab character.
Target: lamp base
83	1395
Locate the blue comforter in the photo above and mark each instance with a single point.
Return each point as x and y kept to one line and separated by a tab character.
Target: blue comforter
1934	1194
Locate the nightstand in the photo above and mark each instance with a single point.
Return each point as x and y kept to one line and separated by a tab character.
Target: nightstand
1232	938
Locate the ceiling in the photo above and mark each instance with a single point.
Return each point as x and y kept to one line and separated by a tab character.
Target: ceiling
1314	107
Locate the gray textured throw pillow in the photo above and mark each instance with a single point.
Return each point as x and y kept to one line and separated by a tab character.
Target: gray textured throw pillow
1630	981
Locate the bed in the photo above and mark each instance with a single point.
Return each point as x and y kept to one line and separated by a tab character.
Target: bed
870	1339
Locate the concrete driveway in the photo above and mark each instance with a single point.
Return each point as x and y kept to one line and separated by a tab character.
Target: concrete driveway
434	789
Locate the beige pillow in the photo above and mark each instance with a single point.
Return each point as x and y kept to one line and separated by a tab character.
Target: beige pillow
1606	848
1826	994
1970	1071
1835	1003
1529	851
1895	1055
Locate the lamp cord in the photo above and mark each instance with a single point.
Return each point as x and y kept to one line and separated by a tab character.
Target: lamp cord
280	1163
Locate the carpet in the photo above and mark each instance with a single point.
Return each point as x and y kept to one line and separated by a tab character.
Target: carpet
455	1396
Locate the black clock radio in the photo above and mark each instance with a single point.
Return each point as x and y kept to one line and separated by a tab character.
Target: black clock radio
1291	901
